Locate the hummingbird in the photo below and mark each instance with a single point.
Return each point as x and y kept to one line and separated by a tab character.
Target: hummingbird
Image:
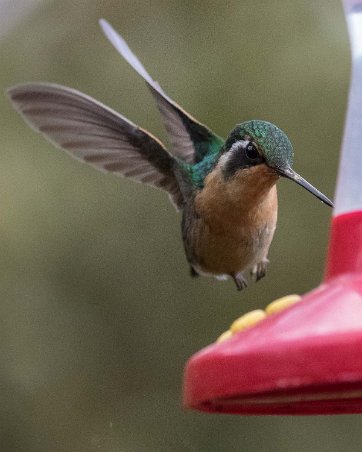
226	189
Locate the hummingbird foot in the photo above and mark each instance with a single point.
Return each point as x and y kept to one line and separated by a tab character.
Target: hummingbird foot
239	280
193	273
259	270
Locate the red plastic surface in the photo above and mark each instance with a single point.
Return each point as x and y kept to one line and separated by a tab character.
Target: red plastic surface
345	245
304	360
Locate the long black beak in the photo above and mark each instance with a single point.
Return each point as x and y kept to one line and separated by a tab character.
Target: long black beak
292	175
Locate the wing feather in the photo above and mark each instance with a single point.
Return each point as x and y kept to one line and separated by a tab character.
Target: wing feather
190	139
97	135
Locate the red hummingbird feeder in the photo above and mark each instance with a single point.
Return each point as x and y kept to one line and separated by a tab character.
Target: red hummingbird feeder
306	359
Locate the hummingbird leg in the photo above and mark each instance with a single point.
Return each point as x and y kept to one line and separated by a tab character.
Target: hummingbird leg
193	272
259	270
239	280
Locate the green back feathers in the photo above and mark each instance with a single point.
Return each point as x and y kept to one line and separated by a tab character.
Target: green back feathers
192	176
205	142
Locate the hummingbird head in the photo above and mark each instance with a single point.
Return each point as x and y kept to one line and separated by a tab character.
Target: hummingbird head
258	142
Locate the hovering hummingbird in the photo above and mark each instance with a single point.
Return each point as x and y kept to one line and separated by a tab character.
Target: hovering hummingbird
226	189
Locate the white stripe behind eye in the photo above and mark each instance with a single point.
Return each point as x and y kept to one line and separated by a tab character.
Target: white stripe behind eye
239	144
234	148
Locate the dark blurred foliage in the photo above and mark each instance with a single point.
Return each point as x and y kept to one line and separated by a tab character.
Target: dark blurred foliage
98	312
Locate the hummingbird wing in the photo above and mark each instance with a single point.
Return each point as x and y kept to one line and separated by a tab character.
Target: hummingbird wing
97	135
190	140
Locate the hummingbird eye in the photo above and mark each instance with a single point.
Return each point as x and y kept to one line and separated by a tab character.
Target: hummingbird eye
251	152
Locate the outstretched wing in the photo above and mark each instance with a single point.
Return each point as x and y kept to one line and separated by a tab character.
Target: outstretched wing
95	134
190	139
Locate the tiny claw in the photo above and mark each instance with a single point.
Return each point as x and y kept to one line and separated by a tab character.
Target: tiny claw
259	270
239	280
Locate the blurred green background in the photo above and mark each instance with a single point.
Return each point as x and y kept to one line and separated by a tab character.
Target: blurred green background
98	312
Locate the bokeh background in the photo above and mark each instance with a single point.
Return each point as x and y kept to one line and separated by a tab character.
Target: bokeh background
98	312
